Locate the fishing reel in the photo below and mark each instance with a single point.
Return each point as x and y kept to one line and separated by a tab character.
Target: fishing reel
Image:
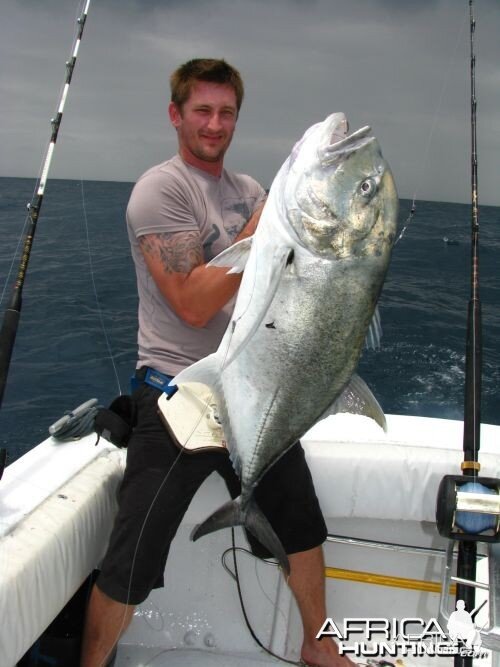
468	508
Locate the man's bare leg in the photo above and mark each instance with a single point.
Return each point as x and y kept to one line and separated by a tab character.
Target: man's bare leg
105	622
307	581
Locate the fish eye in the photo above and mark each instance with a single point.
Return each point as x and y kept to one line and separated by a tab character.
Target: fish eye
368	187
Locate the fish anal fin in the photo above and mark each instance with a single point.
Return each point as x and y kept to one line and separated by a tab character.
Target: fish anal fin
250	516
357	399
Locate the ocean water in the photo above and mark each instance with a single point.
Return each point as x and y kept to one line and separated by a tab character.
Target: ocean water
73	345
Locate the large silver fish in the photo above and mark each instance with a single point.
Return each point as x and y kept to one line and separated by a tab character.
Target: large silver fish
313	272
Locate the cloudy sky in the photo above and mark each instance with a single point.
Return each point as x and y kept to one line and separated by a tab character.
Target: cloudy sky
401	66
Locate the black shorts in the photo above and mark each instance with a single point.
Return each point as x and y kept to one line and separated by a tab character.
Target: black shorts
155	494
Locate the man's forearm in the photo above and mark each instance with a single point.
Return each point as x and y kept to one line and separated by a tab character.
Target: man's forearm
196	293
202	293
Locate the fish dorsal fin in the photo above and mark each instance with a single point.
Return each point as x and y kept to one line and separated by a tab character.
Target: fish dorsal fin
374	334
357	399
282	257
235	257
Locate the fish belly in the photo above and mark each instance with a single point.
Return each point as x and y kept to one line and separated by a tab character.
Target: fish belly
295	365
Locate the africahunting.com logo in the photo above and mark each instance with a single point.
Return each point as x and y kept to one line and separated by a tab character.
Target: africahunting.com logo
382	637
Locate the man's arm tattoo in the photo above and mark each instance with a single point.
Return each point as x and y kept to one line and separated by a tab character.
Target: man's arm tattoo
179	252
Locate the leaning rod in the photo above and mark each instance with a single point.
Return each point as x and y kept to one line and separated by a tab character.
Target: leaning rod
13	311
467	551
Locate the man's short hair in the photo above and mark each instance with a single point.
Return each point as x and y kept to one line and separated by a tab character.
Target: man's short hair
204	69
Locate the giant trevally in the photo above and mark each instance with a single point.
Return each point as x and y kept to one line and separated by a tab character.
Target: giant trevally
313	272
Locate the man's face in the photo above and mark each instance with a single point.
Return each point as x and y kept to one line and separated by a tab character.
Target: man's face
205	124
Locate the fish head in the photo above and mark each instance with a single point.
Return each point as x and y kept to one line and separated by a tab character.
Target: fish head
338	192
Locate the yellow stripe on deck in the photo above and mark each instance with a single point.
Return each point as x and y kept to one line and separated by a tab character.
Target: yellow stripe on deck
386	580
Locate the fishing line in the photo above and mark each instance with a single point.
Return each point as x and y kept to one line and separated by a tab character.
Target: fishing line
22	232
245	615
134	558
150	509
14	256
263	561
437	112
235	575
92	277
141	532
156	496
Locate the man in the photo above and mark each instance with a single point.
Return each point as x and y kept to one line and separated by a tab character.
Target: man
182	213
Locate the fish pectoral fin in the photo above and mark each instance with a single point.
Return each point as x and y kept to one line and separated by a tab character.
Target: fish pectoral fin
235	257
374	334
234	513
357	399
206	371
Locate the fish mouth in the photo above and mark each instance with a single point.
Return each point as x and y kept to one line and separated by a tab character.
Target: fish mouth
347	140
339	146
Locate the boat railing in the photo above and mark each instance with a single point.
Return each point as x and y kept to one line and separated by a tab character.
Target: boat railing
490	636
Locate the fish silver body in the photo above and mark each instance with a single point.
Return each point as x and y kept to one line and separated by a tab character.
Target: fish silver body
313	272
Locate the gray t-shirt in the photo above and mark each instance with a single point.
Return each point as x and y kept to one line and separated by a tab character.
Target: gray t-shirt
175	197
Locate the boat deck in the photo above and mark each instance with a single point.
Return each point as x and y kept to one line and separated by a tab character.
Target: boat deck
140	656
130	656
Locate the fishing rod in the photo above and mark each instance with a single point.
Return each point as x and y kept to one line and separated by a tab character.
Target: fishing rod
468	505
467	550
13	311
472	406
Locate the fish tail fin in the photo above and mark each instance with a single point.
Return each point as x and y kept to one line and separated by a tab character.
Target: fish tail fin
249	515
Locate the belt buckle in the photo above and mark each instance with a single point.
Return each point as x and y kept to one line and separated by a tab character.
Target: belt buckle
159	381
